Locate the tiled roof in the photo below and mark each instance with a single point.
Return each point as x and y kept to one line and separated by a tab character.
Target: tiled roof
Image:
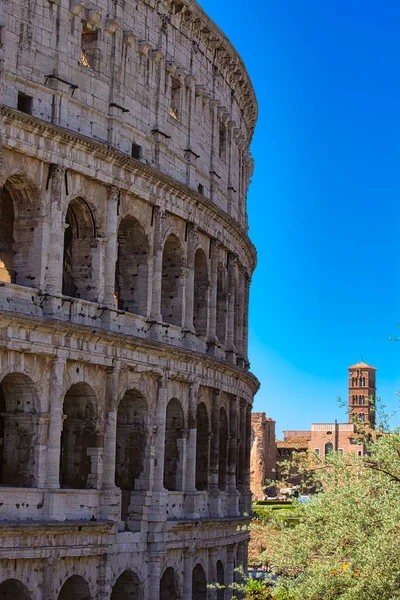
361	365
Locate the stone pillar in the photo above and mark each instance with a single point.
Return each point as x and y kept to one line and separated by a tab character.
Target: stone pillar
241	483
247	457
161	413
41	245
190	468
189	284
230	570
212	311
212	573
111	250
240	317
158	218
233	494
247	281
55	423
40	423
56	256
154	575
110	428
187	574
98	251
214	446
230	334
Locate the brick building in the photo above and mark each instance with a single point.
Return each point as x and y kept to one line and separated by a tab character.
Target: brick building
322	438
125	266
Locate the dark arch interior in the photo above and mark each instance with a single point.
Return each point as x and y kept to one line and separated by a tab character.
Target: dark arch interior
169	587
202	448
11	589
200	297
79	236
18	402
221	304
78	435
75	588
173	451
220	581
223	450
127	587
199	583
131	273
171	289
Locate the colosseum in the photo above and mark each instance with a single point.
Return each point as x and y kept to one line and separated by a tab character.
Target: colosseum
125	267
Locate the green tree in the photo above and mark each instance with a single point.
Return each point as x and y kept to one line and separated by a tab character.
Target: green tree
347	543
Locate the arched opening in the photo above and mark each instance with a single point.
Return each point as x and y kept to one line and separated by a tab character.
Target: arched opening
79	435
79	238
173	446
223	450
171	288
220	581
131	274
18	405
169	585
328	447
200	296
221	304
12	589
131	442
127	587
19	208
75	588
202	448
199	583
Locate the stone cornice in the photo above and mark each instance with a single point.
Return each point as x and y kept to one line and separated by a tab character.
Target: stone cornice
152	175
119	340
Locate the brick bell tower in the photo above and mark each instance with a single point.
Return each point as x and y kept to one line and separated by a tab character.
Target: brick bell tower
362	390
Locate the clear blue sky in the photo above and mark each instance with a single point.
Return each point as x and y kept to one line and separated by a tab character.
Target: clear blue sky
324	201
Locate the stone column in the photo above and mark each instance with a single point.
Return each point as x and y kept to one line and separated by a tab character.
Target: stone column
241	481
55	423
247	281
111	250
233	497
240	317
161	412
214	446
154	578
230	334
212	573
191	441
40	422
212	312
189	286
56	256
110	428
230	570
247	457
187	574
158	217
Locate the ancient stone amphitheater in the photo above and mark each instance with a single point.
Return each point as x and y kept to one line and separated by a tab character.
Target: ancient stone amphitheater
125	264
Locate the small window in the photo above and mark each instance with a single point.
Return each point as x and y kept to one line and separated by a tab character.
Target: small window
362	382
136	151
329	433
361	399
222	141
89	47
200	188
316	450
24	103
340	450
175	105
328	447
360	453
362	418
354	382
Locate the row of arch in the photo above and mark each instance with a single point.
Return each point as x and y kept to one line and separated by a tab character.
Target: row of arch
20	212
81	437
127	587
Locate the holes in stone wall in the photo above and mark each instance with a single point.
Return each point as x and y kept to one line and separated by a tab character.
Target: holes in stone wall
90	53
79	247
200	297
136	151
202	447
169	585
173	455
171	287
79	434
127	587
199	583
223	450
131	274
18	405
24	103
12	589
222	141
75	588
175	104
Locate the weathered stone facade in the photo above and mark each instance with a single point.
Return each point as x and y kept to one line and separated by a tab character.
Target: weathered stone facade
125	394
263	454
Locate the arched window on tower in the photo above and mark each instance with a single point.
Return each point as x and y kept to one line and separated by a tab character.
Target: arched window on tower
328	448
361	399
362	418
